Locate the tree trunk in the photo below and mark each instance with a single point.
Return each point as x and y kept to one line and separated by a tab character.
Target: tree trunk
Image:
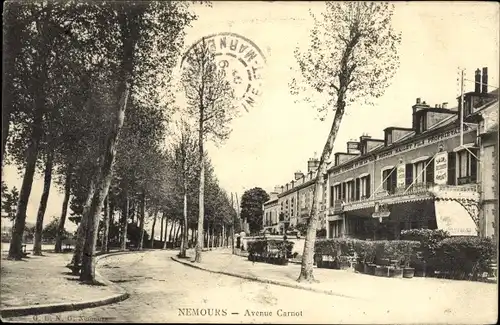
108	155
201	195
141	221
153	229
184	241
124	223
224	236
177	232
15	249
105	232
170	238
306	270
161	227
165	234
82	227
47	180
62	219
213	236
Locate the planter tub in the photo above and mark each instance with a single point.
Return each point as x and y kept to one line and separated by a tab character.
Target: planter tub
360	267
395	272
371	269
381	270
408	272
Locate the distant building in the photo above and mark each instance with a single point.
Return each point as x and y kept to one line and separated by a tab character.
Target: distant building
291	203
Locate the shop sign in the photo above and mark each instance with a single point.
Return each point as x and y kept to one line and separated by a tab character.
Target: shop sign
401	176
441	168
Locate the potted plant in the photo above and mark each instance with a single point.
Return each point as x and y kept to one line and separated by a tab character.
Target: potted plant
381	270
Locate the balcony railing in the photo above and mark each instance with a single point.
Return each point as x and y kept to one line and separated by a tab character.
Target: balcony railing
465	180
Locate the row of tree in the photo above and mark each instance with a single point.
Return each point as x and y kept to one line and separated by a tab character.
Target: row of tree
89	100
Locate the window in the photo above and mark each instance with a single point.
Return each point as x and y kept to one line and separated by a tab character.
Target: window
344	191
364	187
409	174
349	195
389	177
429	171
291	207
336	193
332	195
419	173
467	167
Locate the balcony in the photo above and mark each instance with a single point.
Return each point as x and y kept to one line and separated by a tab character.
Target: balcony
466	180
417	192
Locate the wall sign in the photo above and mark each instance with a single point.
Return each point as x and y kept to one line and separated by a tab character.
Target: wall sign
441	168
401	176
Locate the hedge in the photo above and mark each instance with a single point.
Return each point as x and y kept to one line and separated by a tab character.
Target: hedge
265	247
464	257
400	251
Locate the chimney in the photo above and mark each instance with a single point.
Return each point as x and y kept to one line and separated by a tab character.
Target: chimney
312	164
418	101
445	105
477	83
298	175
484	84
277	189
363	137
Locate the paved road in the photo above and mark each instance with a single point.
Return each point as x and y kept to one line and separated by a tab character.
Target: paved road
165	291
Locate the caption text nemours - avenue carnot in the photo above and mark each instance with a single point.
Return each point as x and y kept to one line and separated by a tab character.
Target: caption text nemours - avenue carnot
224	312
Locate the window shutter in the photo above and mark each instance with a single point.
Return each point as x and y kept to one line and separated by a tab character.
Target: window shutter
451	168
429	172
473	166
409	174
331	196
368	190
358	182
394	179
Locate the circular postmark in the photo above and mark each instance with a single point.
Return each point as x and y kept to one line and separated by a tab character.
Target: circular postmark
242	61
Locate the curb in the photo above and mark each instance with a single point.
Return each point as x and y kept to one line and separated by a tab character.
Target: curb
267	281
61	307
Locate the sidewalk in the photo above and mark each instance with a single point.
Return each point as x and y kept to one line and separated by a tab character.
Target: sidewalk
45	280
392	291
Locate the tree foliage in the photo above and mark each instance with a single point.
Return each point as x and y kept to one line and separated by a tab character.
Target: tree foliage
251	207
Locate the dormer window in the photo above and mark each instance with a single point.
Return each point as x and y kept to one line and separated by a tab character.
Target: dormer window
388	138
422	123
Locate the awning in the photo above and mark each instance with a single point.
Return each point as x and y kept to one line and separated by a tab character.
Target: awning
471	145
419	159
386	168
334	217
452	217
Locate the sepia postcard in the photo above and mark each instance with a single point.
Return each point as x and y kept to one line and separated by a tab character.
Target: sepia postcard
253	162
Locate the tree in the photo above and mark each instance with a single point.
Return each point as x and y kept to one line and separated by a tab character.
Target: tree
9	202
51	229
185	162
352	54
209	98
251	207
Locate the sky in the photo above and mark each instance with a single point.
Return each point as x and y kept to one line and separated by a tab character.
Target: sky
277	136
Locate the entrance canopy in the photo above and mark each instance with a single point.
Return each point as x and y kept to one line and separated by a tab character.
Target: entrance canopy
452	217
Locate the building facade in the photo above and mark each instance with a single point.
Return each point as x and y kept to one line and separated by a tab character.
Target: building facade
440	173
270	219
426	176
293	201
